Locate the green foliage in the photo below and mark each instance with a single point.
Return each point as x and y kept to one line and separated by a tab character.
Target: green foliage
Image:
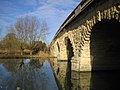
40	46
10	42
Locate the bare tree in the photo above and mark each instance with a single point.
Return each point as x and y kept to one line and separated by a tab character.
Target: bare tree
29	29
16	43
44	31
11	29
1	47
0	32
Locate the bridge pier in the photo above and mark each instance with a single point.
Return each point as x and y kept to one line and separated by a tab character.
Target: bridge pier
75	64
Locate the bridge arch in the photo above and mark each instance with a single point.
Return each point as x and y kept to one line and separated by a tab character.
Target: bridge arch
108	15
58	47
105	45
69	48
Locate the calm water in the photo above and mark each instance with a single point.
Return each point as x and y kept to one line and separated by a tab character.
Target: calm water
71	80
38	75
26	75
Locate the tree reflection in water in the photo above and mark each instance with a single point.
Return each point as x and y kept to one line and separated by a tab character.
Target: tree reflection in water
10	65
23	76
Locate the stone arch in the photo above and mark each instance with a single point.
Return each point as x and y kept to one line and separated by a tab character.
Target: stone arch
58	46
105	45
85	33
70	54
52	50
112	12
69	48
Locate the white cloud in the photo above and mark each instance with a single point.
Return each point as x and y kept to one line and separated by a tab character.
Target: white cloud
54	12
62	3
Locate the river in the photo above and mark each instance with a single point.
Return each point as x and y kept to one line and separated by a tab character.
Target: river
72	80
26	74
35	74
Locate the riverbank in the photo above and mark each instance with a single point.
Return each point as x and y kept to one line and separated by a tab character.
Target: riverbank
23	56
18	56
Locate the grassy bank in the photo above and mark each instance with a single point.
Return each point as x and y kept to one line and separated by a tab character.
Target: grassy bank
18	56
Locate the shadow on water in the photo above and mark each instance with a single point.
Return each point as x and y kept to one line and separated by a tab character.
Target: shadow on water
105	55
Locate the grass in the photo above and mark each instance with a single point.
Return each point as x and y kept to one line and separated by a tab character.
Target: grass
18	56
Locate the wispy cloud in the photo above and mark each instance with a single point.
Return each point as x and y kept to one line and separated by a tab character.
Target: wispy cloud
53	11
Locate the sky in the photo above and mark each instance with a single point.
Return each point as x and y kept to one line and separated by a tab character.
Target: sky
54	12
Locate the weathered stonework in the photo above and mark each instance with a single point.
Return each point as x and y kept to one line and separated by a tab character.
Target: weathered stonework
78	30
80	81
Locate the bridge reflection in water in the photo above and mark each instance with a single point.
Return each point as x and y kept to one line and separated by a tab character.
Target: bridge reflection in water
97	80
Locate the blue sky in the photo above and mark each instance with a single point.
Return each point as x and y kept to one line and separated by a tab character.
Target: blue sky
54	12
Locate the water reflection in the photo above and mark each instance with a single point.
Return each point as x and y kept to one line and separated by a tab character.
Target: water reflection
26	75
99	80
61	71
105	80
68	83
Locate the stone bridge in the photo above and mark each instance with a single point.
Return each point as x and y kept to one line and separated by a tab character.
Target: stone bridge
90	37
